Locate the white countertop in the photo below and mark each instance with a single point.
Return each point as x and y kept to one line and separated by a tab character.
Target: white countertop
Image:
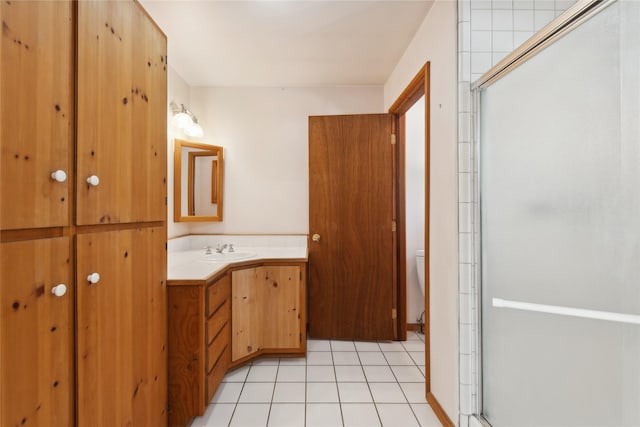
194	265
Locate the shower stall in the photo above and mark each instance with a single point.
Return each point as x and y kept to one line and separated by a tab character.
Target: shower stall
558	157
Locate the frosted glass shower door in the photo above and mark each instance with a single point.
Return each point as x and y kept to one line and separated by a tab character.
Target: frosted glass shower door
560	226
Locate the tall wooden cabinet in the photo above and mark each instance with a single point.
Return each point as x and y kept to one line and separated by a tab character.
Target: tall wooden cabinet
82	215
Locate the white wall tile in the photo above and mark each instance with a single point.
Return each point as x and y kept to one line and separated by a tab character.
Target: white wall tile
464	10
465	308
466	404
481	4
464	37
465	274
502	20
502	4
480	62
502	41
464	66
464	127
480	19
520	37
464	98
464	248
465	339
498	56
522	4
467	363
523	20
544	4
481	41
464	216
464	162
542	18
464	188
564	4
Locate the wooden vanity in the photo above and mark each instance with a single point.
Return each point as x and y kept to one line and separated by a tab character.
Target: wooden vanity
240	312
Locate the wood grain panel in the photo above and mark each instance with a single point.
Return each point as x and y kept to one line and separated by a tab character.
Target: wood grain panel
214	378
122	101
190	356
217	320
186	353
36	334
36	113
351	281
280	328
218	294
247	312
215	349
121	341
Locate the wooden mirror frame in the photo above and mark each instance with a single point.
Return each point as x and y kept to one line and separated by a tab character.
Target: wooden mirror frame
210	150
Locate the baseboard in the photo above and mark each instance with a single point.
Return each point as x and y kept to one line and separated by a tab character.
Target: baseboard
413	327
440	413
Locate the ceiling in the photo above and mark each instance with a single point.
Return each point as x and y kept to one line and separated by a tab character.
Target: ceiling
286	43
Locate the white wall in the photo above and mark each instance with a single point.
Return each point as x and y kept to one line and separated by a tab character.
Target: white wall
414	204
177	91
264	132
435	41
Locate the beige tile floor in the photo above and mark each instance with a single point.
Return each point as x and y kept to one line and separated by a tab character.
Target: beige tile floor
339	383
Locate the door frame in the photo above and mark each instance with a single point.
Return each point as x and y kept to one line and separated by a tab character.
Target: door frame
419	86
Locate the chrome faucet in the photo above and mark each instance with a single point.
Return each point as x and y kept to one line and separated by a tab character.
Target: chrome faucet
221	248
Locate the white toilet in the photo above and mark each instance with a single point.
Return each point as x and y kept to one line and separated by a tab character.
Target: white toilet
420	266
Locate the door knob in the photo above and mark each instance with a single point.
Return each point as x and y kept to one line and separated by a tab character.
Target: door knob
59	176
93	278
59	290
93	180
315	237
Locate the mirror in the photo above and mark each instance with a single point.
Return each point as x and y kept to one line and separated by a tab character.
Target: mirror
197	186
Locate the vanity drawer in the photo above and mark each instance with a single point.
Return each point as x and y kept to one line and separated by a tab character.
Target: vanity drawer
214	378
217	294
218	320
215	349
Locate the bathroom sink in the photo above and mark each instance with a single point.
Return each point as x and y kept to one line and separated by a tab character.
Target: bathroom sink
228	256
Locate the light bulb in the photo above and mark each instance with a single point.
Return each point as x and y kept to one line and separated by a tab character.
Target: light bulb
194	130
182	120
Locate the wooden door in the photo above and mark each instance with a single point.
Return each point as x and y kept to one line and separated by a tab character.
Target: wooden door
121	328
36	113
122	109
351	211
36	334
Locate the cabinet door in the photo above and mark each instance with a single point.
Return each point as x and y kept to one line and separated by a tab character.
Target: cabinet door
36	334
281	287
266	309
247	313
37	112
122	114
121	328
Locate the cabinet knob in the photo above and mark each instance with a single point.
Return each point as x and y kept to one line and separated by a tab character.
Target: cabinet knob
59	176
93	180
59	289
315	238
93	278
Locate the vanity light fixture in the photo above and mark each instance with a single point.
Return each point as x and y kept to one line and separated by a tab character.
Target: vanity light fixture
184	119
